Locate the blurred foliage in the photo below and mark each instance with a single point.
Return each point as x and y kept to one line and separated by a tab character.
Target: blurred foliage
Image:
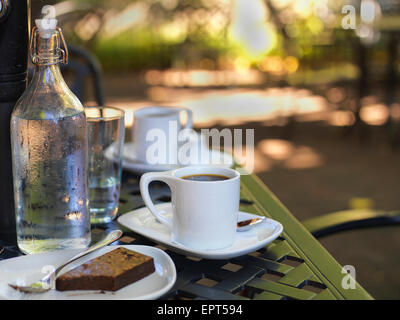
131	35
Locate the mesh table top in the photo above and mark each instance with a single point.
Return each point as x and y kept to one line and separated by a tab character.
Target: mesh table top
294	266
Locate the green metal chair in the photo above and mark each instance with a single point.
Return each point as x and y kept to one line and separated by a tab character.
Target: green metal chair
332	223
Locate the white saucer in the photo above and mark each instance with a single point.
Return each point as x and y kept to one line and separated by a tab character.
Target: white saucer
27	269
143	222
132	163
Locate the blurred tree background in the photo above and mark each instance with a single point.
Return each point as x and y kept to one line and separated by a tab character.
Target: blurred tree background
276	37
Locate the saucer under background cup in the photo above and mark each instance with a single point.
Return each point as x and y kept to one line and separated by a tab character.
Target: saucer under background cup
131	162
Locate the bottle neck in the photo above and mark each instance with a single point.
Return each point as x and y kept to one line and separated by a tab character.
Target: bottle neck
47	57
46	48
48	74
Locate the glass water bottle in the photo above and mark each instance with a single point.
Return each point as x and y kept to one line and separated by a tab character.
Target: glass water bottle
49	153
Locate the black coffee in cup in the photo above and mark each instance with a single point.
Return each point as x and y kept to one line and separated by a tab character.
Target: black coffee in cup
205	177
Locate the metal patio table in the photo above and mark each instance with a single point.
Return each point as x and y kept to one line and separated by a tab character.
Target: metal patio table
294	266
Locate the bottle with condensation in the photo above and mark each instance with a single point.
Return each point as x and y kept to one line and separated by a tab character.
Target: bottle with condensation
49	153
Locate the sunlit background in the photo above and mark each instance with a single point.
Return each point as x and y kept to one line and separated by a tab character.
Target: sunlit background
321	97
168	50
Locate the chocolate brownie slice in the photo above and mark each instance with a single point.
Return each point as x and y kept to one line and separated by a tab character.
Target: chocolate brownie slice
109	272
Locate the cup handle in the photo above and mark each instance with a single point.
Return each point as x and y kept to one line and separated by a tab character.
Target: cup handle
144	190
189	122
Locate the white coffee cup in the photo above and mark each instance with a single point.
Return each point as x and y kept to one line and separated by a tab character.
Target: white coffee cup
204	212
156	120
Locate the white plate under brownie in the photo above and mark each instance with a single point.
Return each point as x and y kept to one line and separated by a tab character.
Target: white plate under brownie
143	222
27	269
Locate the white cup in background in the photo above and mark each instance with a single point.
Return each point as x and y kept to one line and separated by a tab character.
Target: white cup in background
163	119
204	212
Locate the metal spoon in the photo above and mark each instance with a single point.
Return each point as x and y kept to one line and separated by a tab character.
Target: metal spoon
249	224
45	284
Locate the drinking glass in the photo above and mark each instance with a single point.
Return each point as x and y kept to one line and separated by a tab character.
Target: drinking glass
106	133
